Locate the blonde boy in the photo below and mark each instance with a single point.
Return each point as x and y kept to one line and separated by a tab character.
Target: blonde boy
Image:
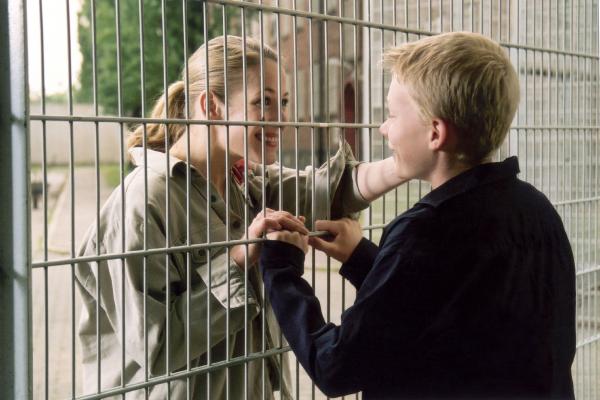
470	293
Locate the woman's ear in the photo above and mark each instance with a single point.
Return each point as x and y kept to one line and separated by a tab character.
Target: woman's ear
216	107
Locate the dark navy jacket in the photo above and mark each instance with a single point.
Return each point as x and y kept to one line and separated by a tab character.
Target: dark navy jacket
470	294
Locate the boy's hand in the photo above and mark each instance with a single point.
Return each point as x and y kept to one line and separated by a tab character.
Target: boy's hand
346	234
296	238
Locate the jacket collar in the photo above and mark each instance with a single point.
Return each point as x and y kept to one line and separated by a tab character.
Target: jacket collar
479	175
157	161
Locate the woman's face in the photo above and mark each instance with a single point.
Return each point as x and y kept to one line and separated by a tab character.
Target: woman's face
269	113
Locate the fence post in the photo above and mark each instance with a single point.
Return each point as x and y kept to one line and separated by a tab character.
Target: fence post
15	262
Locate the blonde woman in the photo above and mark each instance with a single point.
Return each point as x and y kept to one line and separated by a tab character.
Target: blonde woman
156	312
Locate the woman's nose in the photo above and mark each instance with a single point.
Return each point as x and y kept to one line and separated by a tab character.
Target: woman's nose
271	115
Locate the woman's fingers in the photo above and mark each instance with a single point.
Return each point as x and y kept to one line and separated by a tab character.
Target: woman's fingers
267	224
292	224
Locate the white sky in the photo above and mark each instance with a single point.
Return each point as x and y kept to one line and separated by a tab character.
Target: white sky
55	45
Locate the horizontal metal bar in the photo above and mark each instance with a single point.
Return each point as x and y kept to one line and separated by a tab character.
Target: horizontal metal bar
588	270
167	250
588	341
136	120
576	201
186	374
155	251
358	22
296	124
140	120
554	127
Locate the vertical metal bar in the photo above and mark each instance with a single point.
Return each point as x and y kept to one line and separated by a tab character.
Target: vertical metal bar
499	20
429	14
312	152
97	182
280	158
369	105
535	96
395	22
45	200
481	16
406	40
246	210
509	40
279	137
72	196
451	14
163	21
342	114
15	251
327	150
518	68
526	94
383	95
549	99
188	188
121	187
296	143
227	202
263	193
145	156
208	195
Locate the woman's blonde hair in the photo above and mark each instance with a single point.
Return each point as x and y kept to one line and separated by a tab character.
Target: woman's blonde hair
463	78
155	133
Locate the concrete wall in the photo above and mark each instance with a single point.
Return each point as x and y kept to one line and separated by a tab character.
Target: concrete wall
84	134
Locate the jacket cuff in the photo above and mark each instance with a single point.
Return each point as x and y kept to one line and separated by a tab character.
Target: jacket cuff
277	254
360	262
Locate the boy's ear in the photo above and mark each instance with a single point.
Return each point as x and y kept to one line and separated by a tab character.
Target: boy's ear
216	107
442	135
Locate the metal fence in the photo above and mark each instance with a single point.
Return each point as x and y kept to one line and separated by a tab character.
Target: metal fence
330	52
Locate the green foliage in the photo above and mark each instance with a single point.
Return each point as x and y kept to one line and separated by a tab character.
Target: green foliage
106	49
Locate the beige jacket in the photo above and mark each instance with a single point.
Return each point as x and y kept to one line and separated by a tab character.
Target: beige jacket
234	303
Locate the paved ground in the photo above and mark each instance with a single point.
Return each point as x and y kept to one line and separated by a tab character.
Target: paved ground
59	293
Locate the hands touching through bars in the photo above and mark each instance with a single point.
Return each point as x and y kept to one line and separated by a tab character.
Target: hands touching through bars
345	234
266	221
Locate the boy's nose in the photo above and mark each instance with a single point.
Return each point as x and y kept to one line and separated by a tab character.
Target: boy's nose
383	129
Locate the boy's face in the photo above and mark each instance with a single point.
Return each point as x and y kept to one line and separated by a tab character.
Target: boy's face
408	135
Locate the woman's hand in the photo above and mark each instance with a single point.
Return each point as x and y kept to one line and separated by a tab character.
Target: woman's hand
266	221
298	239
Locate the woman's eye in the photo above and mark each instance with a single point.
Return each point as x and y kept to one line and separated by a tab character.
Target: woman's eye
267	101
284	102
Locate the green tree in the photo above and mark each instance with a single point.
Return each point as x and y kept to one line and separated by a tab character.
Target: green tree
106	49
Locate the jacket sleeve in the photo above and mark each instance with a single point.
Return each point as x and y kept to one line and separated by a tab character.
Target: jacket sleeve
338	190
341	358
142	277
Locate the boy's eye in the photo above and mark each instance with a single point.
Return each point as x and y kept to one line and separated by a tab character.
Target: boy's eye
267	101
284	102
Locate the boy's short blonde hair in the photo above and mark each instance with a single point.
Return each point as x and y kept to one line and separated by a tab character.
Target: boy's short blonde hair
463	78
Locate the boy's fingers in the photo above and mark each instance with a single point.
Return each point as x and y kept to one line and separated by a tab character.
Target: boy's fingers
320	244
327	225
